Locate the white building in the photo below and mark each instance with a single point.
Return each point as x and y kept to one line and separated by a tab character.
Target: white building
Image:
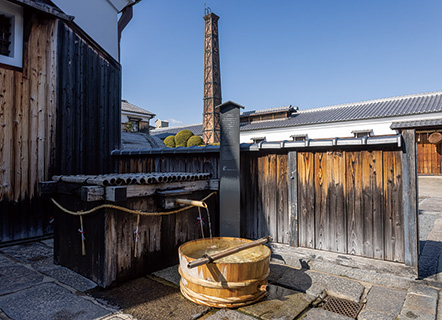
100	19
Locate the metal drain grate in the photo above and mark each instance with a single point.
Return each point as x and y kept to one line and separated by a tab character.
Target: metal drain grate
344	307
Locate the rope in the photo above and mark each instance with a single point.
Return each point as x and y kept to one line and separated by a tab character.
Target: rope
81	230
137	234
112	206
81	213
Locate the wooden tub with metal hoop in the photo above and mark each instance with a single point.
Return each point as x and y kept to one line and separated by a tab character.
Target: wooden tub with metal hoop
237	280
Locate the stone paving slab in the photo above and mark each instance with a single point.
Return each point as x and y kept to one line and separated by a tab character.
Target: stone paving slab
280	303
321	314
119	316
17	277
146	299
298	280
5	261
439	306
48	242
314	283
432	204
29	252
375	315
170	274
226	314
385	300
49	301
64	275
420	303
422	290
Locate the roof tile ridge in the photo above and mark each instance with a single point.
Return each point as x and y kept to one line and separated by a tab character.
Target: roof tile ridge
178	127
351	104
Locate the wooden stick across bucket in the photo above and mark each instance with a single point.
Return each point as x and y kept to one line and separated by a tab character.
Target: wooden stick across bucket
207	259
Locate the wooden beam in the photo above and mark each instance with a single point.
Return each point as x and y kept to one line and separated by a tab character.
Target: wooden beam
92	193
116	194
293	198
47	187
121	193
409	197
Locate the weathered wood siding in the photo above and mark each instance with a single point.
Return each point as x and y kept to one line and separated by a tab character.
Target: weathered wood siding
264	196
27	132
110	238
59	114
194	162
429	156
89	104
351	202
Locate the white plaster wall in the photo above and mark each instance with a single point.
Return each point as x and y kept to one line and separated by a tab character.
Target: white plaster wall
98	18
332	130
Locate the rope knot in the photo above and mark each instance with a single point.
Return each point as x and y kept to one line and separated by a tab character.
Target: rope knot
200	221
137	234
82	234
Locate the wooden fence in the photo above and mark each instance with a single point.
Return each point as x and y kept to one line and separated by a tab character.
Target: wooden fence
358	200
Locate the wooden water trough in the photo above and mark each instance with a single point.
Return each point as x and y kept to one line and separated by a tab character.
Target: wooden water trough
116	227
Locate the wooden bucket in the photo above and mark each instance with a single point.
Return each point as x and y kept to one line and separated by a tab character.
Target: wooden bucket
230	282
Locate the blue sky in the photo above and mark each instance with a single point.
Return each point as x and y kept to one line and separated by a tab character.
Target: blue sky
307	53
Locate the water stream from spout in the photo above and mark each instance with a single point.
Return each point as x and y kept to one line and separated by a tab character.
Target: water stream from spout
210	225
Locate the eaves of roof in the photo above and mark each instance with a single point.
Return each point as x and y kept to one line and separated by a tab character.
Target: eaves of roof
46	7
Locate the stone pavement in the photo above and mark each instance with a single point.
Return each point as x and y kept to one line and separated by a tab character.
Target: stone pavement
32	287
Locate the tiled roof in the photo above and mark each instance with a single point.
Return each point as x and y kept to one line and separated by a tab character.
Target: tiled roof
269	110
140	140
425	103
381	108
416	124
163	133
129	107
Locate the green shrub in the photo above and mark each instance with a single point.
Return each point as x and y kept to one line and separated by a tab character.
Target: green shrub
182	137
170	142
195	141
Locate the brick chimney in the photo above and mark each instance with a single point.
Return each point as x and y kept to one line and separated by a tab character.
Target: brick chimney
212	80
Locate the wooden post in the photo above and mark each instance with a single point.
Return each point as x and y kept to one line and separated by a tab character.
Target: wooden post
409	197
230	189
293	197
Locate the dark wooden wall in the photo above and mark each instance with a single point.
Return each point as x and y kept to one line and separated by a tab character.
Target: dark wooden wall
429	156
182	162
110	238
89	106
265	196
27	132
59	114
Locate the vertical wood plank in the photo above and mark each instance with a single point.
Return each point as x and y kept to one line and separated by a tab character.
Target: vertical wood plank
338	217
293	198
282	198
271	203
399	249
367	205
354	203
323	237
306	196
409	197
377	197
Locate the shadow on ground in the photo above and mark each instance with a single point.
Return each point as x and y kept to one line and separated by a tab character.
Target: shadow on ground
145	299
